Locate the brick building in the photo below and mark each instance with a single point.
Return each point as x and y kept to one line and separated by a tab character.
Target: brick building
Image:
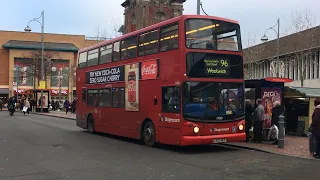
20	56
142	13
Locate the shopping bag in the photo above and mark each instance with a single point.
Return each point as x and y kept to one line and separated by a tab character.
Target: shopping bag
25	109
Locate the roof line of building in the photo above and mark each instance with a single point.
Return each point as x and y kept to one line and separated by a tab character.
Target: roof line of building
44	33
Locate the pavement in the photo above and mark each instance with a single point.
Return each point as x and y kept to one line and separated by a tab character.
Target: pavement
42	147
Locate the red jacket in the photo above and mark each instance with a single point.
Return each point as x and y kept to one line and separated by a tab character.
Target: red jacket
315	125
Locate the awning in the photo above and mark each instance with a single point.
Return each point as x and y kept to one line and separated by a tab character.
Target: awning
15	44
302	91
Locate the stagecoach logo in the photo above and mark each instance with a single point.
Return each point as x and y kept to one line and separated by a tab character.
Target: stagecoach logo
219	129
149	69
169	120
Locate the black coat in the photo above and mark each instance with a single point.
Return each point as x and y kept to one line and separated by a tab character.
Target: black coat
276	112
315	125
249	114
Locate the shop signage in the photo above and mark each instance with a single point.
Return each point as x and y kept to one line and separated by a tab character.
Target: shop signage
106	75
56	92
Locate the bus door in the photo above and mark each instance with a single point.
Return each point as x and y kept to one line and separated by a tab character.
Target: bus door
82	107
170	120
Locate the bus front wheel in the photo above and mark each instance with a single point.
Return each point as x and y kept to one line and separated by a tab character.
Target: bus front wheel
91	124
149	134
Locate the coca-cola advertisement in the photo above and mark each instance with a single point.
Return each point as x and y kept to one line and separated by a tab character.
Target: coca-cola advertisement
132	87
149	70
269	96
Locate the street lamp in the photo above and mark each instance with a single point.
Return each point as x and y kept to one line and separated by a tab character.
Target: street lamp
264	38
28	29
18	80
59	78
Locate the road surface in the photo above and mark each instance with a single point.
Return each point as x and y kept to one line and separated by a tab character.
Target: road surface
40	147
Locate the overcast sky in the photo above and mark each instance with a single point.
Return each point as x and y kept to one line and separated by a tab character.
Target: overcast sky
85	16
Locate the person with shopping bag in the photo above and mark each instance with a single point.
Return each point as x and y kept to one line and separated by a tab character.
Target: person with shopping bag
315	126
26	107
276	112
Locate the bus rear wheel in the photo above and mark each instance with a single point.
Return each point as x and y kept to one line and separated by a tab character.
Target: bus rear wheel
149	134
91	124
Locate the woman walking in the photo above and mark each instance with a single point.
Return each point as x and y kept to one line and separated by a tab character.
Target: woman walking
26	107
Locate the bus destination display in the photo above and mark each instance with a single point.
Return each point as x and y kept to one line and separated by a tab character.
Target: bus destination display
214	67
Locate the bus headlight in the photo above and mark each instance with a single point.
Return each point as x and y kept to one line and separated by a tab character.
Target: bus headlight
241	127
196	129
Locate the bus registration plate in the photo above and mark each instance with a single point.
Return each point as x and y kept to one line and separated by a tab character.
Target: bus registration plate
219	140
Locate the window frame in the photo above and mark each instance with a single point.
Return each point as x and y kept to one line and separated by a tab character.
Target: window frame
98	52
84	96
162	98
86	52
113	54
100	47
178	38
94	105
158	43
136	44
238	34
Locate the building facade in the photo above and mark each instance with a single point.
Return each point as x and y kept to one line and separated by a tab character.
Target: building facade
20	59
299	59
142	13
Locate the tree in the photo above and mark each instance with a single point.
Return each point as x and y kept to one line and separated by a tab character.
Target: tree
34	69
299	43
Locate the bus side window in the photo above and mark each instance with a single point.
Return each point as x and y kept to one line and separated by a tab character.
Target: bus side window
171	99
169	38
84	99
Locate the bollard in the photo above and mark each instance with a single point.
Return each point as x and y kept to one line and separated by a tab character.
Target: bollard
281	132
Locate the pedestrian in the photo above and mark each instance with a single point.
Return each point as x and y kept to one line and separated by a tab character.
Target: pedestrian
249	110
258	121
276	112
66	105
73	106
26	107
315	126
11	106
1	104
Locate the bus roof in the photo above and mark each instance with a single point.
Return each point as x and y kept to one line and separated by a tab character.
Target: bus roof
155	26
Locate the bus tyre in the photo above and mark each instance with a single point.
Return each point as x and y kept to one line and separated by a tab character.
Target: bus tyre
91	124
149	134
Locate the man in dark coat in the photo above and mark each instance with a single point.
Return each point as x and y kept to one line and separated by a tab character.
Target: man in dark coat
276	112
315	125
249	109
258	121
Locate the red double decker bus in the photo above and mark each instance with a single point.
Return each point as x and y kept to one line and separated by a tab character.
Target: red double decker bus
177	82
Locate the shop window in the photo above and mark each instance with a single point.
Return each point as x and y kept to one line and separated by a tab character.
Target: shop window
171	99
129	48
169	38
93	57
148	43
105	97
105	54
82	60
93	98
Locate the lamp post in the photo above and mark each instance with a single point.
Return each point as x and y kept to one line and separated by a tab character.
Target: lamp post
28	29
198	6
59	78
264	38
18	80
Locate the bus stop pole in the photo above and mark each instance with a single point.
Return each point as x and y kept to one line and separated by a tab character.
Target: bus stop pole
281	132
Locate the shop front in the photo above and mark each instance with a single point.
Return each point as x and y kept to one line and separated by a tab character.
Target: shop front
54	94
299	106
